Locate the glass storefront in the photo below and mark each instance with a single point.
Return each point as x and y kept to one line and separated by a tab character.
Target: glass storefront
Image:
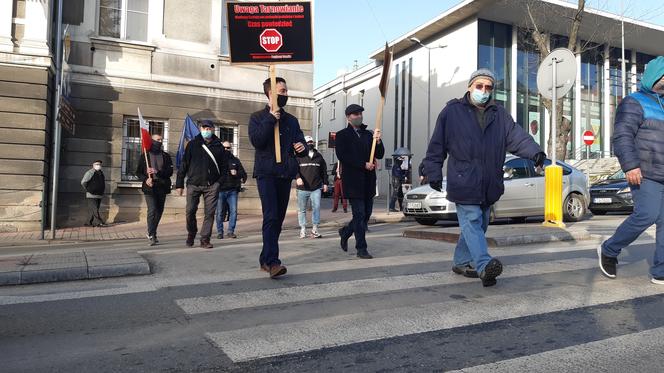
615	82
592	81
495	53
530	112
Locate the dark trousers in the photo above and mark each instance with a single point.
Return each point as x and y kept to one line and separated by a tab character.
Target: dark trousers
362	209
155	201
93	211
339	194
194	193
397	193
274	194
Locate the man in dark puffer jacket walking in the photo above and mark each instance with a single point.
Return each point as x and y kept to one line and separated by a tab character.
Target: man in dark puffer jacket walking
637	141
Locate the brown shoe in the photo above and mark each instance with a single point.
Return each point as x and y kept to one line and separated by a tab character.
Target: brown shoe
265	268
206	244
277	270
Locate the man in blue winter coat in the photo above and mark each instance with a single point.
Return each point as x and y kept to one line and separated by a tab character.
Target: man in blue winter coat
638	142
474	133
274	179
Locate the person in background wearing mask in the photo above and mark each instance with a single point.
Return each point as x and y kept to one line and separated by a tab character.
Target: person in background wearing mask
475	132
311	182
399	177
156	184
338	189
94	184
228	193
204	161
274	179
353	148
637	142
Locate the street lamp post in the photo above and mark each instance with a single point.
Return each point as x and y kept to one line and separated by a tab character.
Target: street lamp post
417	41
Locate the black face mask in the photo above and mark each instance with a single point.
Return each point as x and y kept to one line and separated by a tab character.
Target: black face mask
282	100
156	147
310	146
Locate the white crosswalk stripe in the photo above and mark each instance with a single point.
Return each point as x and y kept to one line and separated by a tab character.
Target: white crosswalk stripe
271	339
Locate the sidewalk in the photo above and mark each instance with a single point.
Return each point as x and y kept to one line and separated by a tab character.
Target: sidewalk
78	265
246	225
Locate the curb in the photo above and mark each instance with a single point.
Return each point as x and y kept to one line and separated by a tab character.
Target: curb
502	241
80	265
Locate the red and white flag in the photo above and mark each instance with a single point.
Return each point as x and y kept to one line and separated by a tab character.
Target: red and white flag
146	139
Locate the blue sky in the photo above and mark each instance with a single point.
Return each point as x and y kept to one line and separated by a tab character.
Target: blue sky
348	30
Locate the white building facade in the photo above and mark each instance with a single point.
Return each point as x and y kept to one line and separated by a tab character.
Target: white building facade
432	65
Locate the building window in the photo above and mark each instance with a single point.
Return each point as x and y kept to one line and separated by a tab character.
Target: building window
495	53
224	48
592	90
230	134
333	114
131	144
124	19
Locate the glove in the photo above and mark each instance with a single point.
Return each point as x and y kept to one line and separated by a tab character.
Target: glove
539	159
436	185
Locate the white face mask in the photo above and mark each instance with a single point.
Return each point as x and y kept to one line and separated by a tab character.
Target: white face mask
97	167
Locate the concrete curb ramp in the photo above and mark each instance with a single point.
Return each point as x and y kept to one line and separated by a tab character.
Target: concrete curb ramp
503	236
78	265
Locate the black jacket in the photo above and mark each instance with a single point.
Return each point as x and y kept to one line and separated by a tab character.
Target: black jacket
97	184
313	172
161	180
198	166
353	152
233	182
261	135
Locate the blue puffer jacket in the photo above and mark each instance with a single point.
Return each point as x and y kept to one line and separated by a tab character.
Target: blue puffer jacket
476	157
261	135
638	136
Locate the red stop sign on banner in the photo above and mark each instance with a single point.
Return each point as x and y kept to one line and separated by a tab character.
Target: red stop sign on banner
588	137
271	40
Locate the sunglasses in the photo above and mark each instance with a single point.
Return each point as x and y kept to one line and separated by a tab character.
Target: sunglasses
227	148
481	86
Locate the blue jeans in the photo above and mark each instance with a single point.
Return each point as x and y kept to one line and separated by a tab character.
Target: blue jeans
230	197
648	210
302	197
472	247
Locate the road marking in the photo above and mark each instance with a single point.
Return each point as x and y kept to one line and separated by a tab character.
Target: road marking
637	352
259	298
274	340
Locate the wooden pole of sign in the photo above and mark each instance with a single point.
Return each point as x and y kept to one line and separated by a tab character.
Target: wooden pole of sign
273	105
379	124
382	87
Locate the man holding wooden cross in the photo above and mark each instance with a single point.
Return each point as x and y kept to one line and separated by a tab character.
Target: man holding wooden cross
353	148
270	129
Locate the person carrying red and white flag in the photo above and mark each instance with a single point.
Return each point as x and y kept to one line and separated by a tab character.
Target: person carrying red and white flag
146	140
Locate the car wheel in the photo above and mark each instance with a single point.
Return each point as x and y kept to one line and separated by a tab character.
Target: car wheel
426	221
574	208
598	212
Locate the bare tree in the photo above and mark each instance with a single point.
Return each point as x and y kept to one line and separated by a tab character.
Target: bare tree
541	39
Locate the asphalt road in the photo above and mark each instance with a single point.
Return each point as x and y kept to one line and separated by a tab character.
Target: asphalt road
213	310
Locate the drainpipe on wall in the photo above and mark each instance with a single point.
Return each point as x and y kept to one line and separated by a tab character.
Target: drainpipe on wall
57	130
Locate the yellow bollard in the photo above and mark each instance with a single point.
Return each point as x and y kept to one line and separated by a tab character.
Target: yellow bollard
553	197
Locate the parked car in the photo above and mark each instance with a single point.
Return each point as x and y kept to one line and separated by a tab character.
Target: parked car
524	195
611	195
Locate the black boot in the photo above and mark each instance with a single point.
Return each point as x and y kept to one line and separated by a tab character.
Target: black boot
363	254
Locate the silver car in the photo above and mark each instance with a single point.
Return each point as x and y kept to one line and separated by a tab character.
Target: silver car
524	195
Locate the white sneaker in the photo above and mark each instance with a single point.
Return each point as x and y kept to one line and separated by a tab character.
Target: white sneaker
657	280
314	232
303	233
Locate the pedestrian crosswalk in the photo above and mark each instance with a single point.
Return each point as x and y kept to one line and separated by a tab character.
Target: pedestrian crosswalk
531	285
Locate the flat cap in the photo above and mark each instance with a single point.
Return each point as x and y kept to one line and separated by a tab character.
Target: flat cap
207	124
354	108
